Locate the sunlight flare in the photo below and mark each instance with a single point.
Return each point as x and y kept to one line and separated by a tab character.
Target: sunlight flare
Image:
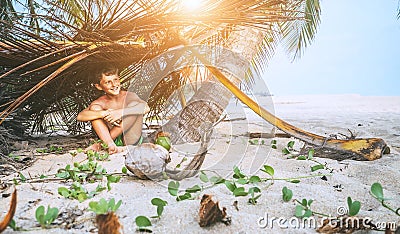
191	5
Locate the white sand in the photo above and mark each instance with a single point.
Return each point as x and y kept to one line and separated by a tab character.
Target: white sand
324	115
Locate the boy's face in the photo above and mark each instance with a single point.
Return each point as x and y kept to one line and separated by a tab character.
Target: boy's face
109	84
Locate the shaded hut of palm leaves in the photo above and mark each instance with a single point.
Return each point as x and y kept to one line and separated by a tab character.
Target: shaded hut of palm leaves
45	79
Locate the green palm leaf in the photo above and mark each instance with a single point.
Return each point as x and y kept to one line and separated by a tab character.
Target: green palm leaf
298	34
7	11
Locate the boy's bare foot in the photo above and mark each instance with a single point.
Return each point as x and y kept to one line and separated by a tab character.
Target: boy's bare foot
113	149
116	149
95	147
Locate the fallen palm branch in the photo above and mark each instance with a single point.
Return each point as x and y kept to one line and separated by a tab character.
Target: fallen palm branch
35	60
21	99
11	211
369	148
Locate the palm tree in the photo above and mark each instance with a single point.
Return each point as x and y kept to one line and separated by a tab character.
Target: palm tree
128	34
100	34
72	11
7	11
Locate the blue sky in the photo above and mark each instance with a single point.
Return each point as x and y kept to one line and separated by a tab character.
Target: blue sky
356	51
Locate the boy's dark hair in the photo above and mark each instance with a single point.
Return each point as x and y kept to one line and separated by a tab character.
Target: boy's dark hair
107	70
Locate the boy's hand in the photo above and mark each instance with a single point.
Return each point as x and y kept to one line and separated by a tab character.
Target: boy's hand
114	117
104	113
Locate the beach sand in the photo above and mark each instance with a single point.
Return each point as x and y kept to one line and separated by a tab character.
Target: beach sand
229	147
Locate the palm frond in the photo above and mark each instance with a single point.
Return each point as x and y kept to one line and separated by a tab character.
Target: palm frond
398	11
7	11
298	34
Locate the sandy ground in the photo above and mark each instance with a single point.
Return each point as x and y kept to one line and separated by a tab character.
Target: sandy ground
324	115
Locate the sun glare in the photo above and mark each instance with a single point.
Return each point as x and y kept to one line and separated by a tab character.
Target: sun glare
191	5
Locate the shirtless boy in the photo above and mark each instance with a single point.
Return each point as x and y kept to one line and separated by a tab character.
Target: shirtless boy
115	113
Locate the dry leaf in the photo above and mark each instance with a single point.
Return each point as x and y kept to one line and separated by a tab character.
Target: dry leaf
210	212
108	223
11	211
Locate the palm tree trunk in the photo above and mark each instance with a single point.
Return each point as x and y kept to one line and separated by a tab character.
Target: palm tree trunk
213	95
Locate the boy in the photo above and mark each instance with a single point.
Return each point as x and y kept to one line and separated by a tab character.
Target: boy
116	113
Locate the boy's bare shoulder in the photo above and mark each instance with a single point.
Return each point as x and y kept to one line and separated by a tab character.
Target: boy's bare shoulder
101	101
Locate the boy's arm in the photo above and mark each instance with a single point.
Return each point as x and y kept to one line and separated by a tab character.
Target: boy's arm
135	107
91	113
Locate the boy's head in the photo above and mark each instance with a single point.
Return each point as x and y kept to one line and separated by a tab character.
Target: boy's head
107	80
105	71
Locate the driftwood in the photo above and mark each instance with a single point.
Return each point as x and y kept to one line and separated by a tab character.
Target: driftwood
266	135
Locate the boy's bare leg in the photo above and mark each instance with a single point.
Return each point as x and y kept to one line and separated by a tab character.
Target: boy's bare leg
132	126
103	132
